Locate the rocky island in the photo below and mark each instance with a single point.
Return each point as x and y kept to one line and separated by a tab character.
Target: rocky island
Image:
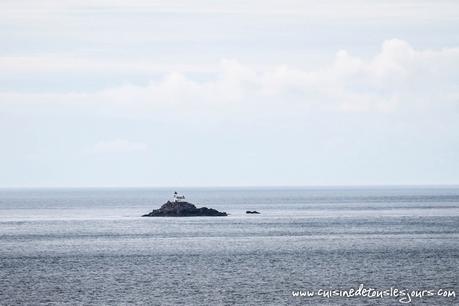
180	208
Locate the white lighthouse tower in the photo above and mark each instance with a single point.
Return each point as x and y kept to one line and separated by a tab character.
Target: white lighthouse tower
178	198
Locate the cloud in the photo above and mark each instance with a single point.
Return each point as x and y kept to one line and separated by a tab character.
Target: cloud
398	77
118	146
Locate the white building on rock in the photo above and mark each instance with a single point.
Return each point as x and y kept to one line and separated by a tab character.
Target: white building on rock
178	198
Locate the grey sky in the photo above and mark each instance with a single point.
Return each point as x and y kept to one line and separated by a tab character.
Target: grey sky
211	93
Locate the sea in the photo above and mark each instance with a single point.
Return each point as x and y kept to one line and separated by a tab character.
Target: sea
308	246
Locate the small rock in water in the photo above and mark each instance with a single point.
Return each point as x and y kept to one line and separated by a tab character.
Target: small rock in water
183	209
252	212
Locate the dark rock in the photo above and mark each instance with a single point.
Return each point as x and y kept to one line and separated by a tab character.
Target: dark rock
183	209
252	212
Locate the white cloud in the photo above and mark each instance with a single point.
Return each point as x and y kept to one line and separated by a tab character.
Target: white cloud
399	76
118	146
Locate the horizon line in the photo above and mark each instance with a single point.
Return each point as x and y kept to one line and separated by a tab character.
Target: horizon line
240	186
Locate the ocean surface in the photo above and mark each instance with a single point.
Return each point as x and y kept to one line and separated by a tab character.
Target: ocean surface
91	247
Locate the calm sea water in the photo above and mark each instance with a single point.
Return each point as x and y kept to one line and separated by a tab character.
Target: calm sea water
90	246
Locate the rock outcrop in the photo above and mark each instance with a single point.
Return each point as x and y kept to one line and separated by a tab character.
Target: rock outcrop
183	209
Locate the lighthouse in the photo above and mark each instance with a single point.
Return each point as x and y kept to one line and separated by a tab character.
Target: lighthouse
178	198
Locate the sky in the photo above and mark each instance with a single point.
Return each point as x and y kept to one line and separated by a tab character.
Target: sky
228	93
